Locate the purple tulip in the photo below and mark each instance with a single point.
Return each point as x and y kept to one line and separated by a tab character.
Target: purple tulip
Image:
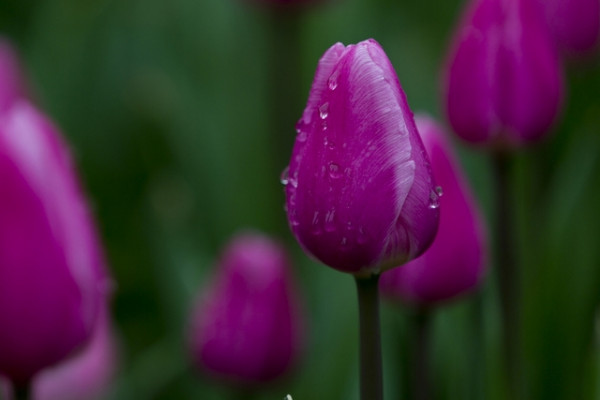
574	24
246	326
86	376
504	80
11	79
51	269
455	262
360	196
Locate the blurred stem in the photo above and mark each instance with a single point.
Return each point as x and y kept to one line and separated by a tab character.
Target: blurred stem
422	378
477	350
507	273
243	393
22	391
371	377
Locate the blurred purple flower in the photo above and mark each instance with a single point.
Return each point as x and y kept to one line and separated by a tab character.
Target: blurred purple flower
52	276
503	83
86	376
455	262
360	197
574	24
246	327
12	85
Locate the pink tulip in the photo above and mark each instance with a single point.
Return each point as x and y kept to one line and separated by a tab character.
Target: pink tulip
574	24
246	327
52	277
503	83
455	262
360	197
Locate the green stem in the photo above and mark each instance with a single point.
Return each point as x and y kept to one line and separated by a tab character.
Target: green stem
422	379
507	273
22	391
477	348
371	377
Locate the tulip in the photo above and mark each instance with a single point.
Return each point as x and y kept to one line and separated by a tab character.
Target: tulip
86	376
455	262
574	24
51	271
245	328
503	80
360	197
11	79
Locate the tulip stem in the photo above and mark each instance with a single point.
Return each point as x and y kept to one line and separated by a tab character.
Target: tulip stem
507	273
22	391
371	377
422	381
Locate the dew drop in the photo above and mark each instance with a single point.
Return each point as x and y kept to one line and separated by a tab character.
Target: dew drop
301	136
330	221
332	83
331	145
324	110
334	171
439	191
434	200
361	238
284	177
316	227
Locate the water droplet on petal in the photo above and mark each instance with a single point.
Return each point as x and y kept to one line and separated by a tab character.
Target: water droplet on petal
316	226
324	110
439	191
334	171
301	136
330	225
434	200
284	177
332	83
362	237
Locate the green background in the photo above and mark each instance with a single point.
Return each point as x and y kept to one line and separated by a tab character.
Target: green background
168	109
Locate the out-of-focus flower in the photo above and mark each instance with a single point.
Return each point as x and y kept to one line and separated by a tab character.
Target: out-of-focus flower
574	24
11	78
503	83
360	196
86	376
52	277
246	327
455	262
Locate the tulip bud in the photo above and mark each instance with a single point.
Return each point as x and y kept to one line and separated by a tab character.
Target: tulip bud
86	376
574	24
503	79
360	197
246	328
455	262
51	276
11	79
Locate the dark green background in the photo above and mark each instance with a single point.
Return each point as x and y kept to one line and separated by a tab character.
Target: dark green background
166	106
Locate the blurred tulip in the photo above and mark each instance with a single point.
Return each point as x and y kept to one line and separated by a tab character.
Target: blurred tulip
11	78
503	81
246	326
51	270
455	262
360	197
574	24
86	376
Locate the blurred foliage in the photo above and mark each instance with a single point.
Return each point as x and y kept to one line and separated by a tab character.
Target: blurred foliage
167	108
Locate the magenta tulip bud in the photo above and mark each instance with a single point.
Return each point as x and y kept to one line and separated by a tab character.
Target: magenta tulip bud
574	24
503	79
51	272
11	78
246	328
455	262
86	376
360	196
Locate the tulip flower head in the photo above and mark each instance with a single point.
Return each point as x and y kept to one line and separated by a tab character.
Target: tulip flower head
503	83
51	271
360	196
246	326
574	24
11	79
455	262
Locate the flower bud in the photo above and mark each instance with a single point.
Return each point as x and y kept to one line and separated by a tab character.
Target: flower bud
246	326
503	78
360	197
455	262
11	79
574	24
51	272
